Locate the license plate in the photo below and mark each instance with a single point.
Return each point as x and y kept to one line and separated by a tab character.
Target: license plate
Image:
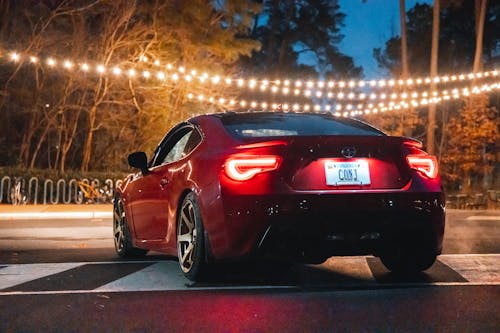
347	173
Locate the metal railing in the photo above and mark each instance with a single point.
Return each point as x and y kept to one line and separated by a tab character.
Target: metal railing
18	190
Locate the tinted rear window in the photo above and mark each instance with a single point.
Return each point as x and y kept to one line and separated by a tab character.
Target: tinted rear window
263	124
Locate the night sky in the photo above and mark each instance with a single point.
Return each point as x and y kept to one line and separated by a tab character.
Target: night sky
369	25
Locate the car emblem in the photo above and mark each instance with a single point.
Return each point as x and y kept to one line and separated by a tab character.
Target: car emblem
348	152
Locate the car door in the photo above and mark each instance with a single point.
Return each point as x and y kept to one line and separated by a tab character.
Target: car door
153	191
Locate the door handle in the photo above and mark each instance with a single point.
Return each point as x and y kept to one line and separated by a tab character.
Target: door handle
163	182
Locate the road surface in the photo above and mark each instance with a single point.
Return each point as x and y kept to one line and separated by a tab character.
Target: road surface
60	273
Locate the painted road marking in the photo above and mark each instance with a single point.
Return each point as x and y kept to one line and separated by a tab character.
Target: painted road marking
336	273
84	277
159	276
11	275
483	269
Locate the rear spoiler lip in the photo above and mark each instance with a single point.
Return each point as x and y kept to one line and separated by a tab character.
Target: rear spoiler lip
413	143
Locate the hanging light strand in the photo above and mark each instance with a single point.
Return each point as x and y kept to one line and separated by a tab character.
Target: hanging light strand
349	109
285	86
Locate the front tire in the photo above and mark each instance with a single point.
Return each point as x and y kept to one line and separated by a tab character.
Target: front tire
121	233
190	239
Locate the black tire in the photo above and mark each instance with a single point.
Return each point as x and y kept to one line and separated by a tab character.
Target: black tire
190	239
406	261
121	233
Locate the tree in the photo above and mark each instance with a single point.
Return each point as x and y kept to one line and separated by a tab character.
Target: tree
300	38
457	47
60	116
419	29
471	150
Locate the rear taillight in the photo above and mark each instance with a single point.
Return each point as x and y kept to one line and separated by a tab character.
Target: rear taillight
244	167
426	164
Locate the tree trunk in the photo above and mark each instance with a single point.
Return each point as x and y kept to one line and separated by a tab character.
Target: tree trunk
444	132
274	28
69	136
478	64
404	43
87	148
33	125
41	139
431	126
285	42
404	64
29	132
100	93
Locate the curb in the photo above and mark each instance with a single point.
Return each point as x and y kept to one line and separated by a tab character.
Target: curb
38	212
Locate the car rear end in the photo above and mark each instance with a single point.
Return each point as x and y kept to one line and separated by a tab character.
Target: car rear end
309	186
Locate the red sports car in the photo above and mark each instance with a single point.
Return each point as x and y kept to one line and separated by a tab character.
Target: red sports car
299	186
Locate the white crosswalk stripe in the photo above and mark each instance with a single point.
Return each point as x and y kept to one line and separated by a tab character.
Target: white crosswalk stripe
159	276
165	275
475	268
12	275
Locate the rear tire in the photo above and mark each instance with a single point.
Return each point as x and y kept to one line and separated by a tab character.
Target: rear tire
190	239
121	233
406	261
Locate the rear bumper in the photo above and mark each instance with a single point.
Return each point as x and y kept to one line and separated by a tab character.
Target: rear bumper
312	227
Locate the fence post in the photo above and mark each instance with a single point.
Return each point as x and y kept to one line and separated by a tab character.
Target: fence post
5	179
33	180
61	184
73	184
45	185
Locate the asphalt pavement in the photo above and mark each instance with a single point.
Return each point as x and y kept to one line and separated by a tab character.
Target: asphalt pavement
58	268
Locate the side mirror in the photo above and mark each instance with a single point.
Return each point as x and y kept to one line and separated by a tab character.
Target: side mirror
139	160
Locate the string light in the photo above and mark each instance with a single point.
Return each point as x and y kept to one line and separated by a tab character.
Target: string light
15	57
68	64
101	69
386	100
319	84
350	109
161	76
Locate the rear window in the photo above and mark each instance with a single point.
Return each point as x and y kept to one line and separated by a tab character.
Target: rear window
264	124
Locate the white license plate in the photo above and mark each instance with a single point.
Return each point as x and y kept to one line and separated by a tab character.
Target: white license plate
347	173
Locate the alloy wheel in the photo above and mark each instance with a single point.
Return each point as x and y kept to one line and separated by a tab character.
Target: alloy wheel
186	236
119	226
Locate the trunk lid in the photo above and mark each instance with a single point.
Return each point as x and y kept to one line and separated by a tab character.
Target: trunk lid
345	163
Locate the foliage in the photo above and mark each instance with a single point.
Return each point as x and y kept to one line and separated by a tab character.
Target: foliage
471	149
55	119
467	130
60	119
456	40
293	30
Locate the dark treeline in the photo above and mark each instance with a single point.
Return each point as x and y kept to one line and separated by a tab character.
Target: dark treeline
52	117
467	133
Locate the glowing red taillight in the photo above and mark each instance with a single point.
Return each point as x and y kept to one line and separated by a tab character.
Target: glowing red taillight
244	167
426	164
